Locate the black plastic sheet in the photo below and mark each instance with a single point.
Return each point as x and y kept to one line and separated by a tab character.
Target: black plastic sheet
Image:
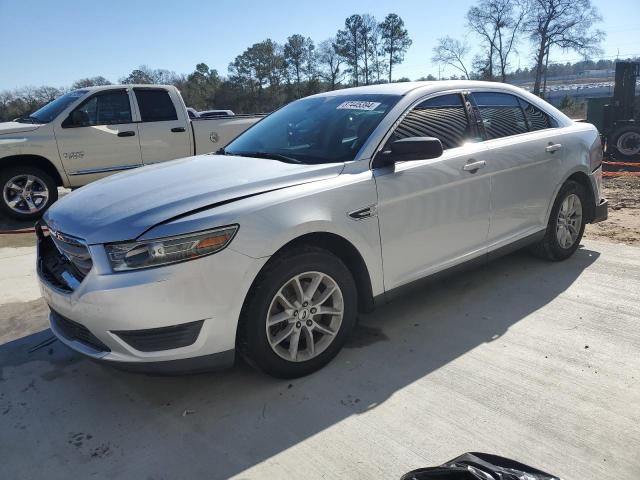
479	466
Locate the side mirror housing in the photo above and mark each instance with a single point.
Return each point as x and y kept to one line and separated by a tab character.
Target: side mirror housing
408	149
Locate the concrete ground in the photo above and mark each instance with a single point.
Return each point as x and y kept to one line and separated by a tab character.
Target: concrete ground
523	358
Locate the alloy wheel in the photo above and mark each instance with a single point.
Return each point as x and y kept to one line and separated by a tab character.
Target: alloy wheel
569	221
304	316
25	194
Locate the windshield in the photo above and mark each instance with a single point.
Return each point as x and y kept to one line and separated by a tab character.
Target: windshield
52	109
314	130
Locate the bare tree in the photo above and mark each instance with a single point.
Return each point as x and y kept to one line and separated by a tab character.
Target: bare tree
90	82
395	40
452	52
330	62
497	23
566	24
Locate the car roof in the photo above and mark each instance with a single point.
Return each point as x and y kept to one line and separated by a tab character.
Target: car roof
403	88
129	85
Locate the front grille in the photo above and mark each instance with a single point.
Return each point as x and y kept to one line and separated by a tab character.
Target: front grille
164	338
74	331
63	261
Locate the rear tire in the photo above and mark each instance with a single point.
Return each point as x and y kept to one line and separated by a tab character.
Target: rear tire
566	224
26	192
270	325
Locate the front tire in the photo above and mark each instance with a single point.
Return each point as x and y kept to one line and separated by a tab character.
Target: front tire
299	313
566	224
26	192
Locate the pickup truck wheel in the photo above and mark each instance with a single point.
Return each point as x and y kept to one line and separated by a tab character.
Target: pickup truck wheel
566	224
26	192
299	314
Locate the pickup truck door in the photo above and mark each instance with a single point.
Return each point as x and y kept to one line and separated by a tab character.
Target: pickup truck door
165	132
98	137
434	213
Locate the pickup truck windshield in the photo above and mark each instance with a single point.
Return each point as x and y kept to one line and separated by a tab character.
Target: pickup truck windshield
52	109
323	129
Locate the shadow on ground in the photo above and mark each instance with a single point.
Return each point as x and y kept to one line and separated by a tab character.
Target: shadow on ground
81	417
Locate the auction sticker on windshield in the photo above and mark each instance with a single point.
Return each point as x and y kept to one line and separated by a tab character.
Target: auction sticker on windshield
357	105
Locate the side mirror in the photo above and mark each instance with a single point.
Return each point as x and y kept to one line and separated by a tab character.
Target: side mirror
408	149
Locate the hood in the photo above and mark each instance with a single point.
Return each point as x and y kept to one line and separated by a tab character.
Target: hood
124	206
17	127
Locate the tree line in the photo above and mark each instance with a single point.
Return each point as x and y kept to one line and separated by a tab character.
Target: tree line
500	26
367	51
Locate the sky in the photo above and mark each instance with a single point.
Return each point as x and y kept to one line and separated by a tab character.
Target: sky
56	42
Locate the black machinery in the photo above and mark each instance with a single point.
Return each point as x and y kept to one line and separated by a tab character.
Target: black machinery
620	128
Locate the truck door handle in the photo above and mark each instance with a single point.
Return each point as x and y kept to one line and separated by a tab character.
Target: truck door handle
552	147
128	133
178	129
473	167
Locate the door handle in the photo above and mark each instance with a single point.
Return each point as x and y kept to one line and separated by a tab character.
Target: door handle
129	133
552	147
178	129
473	167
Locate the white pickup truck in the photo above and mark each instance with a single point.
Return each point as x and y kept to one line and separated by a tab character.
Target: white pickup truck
90	133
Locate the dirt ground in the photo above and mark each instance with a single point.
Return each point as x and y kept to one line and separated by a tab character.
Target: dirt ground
623	224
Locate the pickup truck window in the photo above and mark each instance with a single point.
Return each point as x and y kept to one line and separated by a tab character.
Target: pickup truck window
324	129
107	108
155	105
501	114
52	109
443	117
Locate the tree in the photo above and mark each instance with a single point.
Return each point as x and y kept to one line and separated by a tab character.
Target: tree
90	82
299	55
497	23
452	52
144	74
350	45
566	24
330	62
368	29
395	40
258	72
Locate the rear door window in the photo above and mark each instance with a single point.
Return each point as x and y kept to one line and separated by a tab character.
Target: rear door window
501	114
155	105
538	120
443	117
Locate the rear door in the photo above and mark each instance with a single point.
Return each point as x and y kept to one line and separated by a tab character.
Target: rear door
434	213
99	137
163	129
526	155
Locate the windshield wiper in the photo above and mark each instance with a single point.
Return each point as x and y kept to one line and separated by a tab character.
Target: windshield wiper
268	155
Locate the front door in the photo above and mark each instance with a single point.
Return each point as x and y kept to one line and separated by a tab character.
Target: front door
434	213
99	137
164	132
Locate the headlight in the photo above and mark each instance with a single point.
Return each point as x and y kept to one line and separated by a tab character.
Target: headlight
163	251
